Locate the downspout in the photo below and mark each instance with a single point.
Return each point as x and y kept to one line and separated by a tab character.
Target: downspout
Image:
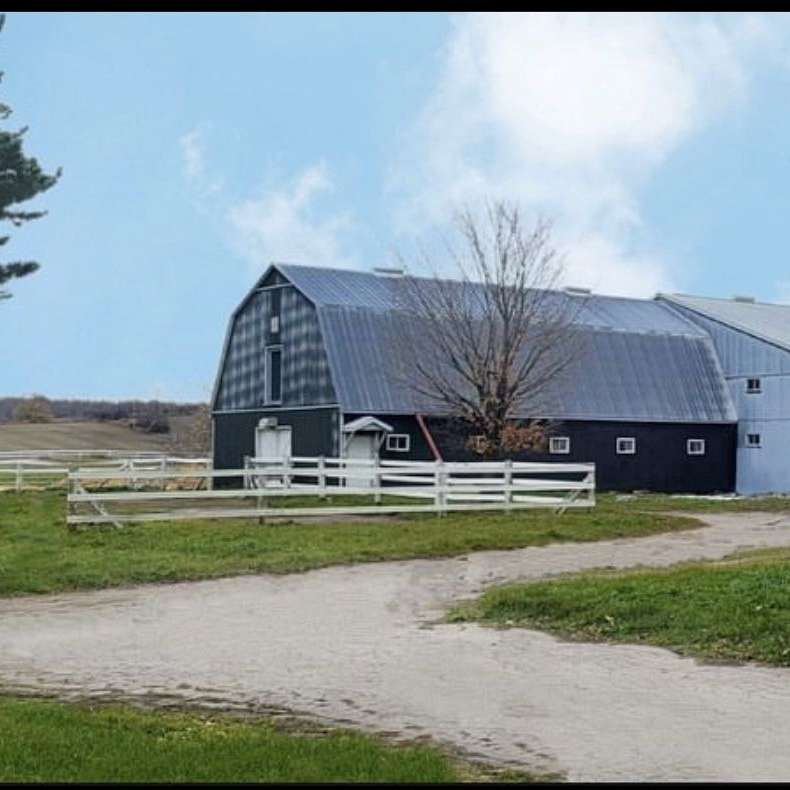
437	456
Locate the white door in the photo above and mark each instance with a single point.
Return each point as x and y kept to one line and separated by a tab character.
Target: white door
362	446
273	442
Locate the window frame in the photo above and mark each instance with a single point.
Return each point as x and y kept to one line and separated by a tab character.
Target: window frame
399	436
619	451
753	445
269	400
559	439
750	390
702	451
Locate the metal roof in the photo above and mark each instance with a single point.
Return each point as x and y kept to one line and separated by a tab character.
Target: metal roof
643	361
621	375
769	322
346	288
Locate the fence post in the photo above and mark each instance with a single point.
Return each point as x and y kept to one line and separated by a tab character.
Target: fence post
440	479
321	477
18	476
508	483
247	481
162	469
377	482
287	474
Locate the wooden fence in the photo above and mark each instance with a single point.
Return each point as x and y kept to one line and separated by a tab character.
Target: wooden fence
393	487
36	469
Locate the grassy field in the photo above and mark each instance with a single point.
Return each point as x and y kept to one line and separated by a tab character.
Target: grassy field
39	555
737	608
77	436
46	741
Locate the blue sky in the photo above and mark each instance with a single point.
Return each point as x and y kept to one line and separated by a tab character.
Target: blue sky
197	147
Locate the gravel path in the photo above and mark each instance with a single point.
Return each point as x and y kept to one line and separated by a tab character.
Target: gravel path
360	645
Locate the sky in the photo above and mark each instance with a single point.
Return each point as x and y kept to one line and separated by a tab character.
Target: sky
196	148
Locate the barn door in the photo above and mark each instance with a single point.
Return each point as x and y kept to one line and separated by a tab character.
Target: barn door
273	442
362	446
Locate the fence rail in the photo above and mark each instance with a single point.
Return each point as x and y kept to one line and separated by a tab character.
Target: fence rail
447	487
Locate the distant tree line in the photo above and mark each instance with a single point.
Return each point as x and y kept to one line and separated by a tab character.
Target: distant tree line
150	416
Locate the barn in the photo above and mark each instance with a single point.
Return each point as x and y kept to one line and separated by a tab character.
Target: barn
305	371
752	341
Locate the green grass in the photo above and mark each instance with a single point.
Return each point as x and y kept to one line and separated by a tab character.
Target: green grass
737	608
39	555
666	503
46	741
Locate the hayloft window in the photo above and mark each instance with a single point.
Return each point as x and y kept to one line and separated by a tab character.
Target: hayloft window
274	374
398	442
753	386
559	445
695	447
753	440
626	445
275	295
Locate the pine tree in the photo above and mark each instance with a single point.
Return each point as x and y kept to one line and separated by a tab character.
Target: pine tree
21	178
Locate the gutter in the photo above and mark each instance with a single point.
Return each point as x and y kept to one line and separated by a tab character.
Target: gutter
437	456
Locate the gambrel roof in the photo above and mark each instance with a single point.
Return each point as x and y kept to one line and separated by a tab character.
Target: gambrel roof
643	362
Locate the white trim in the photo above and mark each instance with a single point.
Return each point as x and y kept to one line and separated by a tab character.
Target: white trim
559	445
620	451
702	447
398	437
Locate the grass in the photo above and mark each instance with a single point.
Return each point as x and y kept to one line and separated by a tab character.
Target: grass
39	555
47	741
733	609
88	435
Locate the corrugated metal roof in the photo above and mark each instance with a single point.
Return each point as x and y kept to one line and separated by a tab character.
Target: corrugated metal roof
642	360
770	322
346	288
634	376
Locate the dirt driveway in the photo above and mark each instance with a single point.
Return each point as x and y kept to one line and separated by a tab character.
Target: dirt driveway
358	645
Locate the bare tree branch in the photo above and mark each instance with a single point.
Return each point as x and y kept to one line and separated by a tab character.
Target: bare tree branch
485	348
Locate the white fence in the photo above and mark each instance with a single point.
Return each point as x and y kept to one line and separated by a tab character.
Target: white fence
437	488
44	468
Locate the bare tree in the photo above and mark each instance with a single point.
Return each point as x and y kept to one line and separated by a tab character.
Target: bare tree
483	349
191	434
36	408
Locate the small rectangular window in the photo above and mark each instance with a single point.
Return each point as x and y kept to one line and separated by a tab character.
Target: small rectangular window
559	445
753	386
274	375
695	447
274	324
626	445
398	442
753	440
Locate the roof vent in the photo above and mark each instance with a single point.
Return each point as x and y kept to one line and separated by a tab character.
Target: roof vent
384	272
747	299
577	291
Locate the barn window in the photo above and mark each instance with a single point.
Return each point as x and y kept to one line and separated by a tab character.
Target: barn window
398	442
753	386
695	447
559	445
626	445
275	304
753	440
274	374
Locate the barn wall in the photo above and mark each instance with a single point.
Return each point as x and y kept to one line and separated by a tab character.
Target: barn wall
660	464
306	379
314	432
761	469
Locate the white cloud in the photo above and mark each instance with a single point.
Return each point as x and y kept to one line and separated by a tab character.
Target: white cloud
284	224
193	153
569	114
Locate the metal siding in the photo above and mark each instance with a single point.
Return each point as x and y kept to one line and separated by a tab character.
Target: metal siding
306	378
